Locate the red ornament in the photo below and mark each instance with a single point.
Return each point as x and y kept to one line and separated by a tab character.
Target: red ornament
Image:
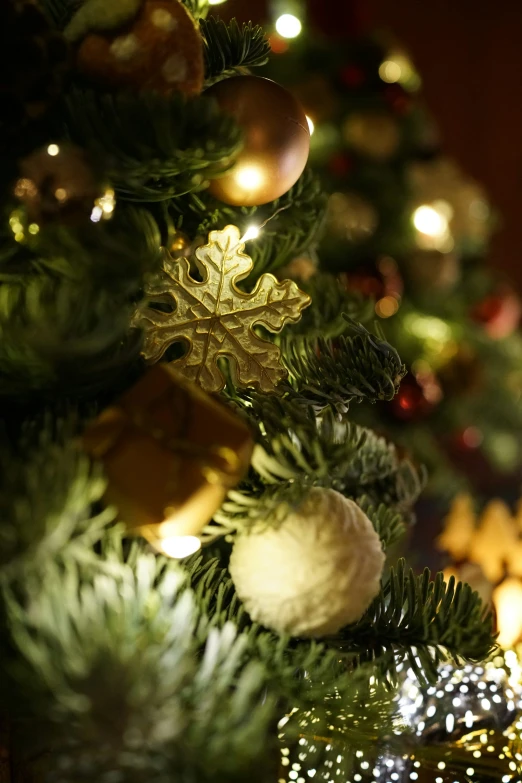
277	44
416	399
352	75
375	280
499	313
397	98
340	164
468	439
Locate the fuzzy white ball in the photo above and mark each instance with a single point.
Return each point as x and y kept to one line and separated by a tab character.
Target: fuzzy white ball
316	573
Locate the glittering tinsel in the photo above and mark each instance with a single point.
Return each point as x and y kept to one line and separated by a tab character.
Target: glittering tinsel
467	728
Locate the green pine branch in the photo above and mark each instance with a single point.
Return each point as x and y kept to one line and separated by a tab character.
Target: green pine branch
297	449
66	303
153	148
333	304
420	622
294	229
353	367
111	664
229	46
48	491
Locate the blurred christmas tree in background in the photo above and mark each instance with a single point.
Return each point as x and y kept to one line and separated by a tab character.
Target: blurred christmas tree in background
406	226
174	379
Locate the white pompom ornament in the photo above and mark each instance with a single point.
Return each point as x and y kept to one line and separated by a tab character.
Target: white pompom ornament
316	573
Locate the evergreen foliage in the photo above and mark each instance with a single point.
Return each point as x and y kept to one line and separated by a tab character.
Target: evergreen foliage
117	664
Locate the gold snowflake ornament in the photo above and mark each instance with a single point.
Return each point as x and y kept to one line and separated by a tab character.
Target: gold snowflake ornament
216	319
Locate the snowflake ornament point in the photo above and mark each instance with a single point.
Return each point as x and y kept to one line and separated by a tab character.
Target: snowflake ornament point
216	318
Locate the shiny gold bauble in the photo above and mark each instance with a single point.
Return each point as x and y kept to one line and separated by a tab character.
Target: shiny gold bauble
350	217
276	140
372	133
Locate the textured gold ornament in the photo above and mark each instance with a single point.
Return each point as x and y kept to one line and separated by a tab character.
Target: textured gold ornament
216	318
492	542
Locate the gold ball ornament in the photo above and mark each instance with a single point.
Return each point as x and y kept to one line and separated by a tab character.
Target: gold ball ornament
276	140
374	134
161	49
315	573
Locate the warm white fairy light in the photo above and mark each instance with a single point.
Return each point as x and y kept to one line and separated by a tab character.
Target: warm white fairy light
430	221
288	26
53	150
311	126
252	232
179	546
103	206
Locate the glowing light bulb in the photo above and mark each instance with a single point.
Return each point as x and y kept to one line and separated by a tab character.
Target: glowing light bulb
311	126
390	71
249	177
252	232
288	26
386	307
53	149
179	546
507	598
430	221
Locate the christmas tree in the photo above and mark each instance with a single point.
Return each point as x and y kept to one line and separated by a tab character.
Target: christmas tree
407	226
163	389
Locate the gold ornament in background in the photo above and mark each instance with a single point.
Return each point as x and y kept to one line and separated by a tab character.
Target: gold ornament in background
57	182
170	454
431	269
142	44
179	245
493	542
454	207
276	140
459	527
372	133
216	318
303	268
351	217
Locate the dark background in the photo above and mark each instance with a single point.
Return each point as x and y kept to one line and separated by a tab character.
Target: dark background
469	54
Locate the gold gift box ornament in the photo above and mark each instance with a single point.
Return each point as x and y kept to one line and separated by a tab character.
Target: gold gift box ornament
170	452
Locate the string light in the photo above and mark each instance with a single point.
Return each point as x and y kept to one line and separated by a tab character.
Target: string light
252	232
386	307
430	221
53	150
311	126
179	546
390	71
103	206
288	26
